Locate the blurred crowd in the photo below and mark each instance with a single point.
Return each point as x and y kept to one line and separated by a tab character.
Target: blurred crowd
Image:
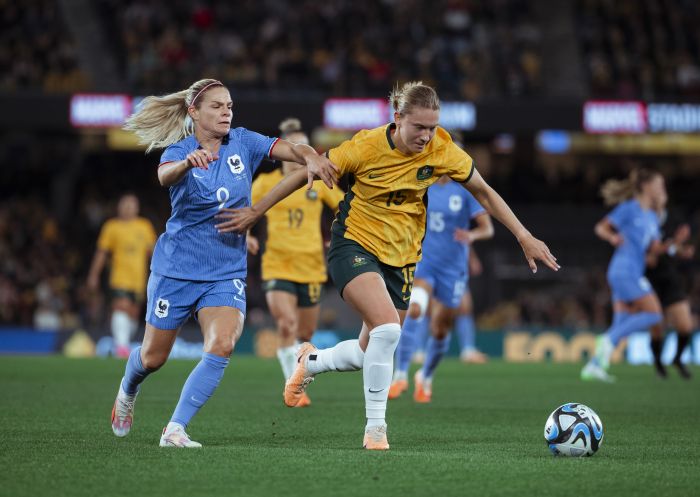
646	49
469	49
38	267
37	52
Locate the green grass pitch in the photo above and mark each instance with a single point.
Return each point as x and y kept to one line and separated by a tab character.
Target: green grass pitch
482	435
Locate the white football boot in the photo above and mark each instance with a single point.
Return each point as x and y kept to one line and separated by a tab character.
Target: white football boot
174	436
593	372
123	413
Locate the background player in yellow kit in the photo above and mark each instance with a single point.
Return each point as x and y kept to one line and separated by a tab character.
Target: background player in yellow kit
376	238
293	264
129	239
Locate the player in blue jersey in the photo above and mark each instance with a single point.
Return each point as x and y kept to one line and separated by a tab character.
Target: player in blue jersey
197	270
633	229
464	322
442	273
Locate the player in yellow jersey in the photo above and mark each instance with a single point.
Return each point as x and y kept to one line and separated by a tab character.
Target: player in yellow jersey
293	266
376	238
129	239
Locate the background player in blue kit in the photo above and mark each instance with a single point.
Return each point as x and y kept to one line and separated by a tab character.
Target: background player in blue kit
633	229
196	269
464	322
443	274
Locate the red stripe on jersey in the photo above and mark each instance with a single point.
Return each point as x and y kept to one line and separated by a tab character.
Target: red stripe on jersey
166	162
269	153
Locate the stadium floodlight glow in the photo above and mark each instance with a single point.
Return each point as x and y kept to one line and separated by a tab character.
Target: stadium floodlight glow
614	117
355	113
92	110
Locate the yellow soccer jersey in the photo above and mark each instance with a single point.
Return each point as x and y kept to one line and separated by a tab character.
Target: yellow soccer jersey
294	248
385	207
130	243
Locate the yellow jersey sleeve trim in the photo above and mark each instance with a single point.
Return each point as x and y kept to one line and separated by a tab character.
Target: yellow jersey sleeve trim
389	127
471	173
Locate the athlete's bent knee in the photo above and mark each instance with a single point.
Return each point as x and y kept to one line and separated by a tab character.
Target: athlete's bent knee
221	346
153	360
287	325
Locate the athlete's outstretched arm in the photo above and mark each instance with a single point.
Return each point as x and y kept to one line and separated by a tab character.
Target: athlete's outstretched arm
495	205
241	220
318	166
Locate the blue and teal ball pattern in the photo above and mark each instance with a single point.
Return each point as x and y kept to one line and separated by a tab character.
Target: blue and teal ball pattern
573	430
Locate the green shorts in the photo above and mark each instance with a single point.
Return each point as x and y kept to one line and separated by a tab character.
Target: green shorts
120	293
308	294
348	259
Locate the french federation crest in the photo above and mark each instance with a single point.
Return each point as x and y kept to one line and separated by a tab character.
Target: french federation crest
162	307
455	203
424	173
235	164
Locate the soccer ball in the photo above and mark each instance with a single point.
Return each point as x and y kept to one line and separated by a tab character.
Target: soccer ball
573	430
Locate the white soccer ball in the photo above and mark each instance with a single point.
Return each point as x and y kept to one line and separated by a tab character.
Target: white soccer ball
573	430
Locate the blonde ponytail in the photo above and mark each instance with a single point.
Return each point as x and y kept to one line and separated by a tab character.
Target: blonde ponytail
616	191
413	94
162	121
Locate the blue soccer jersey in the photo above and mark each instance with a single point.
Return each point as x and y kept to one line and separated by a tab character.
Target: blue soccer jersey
638	227
450	206
191	248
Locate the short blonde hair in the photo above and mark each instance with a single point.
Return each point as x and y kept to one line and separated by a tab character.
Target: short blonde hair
413	94
162	121
289	126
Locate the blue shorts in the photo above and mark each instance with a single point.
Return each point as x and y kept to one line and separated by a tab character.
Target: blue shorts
628	288
171	301
448	287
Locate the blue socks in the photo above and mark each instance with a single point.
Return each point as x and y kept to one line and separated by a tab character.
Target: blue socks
624	324
406	346
135	373
436	349
200	385
422	333
464	325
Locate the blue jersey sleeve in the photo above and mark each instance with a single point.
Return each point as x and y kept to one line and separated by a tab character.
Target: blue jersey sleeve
258	146
174	152
475	208
620	215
